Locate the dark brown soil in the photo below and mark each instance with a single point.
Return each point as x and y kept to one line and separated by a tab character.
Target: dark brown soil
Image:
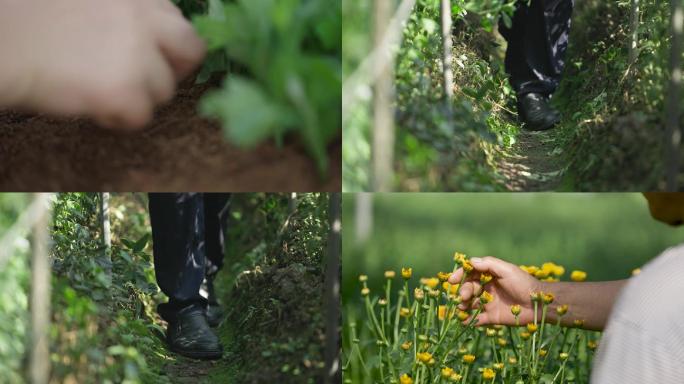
178	151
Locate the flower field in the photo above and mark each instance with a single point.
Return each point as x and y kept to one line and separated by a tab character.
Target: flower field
427	333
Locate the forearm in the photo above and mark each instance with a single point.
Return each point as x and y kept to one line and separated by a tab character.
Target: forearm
590	302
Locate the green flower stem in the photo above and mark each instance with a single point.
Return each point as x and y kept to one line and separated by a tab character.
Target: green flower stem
464	379
388	287
541	339
553	342
396	321
562	367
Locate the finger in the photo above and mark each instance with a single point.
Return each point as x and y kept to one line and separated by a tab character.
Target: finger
491	265
133	110
466	291
179	43
160	78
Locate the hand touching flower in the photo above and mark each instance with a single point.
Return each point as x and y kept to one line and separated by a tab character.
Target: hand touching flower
509	285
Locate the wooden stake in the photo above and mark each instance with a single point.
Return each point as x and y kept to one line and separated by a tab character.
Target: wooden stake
673	133
39	361
333	372
447	60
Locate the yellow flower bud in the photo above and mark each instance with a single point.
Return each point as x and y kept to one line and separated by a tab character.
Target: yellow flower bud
486	297
432	282
382	302
424	357
365	292
462	315
542	352
502	342
405	379
578	323
485	278
548	298
406	273
459	257
467	266
498	366
541	274
578	276
363	278
562	309
443	276
418	294
636	271
455	378
515	309
468	359
592	345
488	374
535	296
563	356
447	372
531	327
512	360
462	351
405	312
525	335
390	274
490	332
532	270
406	345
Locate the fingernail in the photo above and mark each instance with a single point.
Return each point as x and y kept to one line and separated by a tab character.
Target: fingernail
475	260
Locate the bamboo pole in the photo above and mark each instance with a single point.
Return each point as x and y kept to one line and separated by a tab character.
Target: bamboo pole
106	234
634	32
332	287
39	361
447	60
383	120
673	113
363	217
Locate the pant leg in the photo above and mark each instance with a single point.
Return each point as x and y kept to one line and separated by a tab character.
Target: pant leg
215	216
537	42
179	249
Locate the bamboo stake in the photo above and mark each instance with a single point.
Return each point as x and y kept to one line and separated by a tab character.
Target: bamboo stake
39	362
447	60
673	113
383	121
332	285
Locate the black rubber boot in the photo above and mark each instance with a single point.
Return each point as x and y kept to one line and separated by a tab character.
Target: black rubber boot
535	112
189	335
214	310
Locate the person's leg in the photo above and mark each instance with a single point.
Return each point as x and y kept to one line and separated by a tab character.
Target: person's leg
535	57
215	216
179	261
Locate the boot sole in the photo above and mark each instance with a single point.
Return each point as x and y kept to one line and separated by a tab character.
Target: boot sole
200	355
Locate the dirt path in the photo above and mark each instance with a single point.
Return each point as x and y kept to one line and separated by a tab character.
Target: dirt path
178	151
533	164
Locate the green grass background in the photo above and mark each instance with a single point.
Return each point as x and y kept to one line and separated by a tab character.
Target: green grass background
606	235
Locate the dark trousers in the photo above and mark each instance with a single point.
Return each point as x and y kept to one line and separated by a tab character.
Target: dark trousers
187	232
537	42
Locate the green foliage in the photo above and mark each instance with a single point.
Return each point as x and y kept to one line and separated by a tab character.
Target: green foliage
290	51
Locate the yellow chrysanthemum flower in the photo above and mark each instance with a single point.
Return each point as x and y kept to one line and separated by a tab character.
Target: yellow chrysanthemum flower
468	359
548	298
405	379
455	378
578	323
365	292
485	278
459	257
515	309
406	345
498	366
502	342
562	309
424	357
535	296
441	312
390	274
406	273
525	335
447	372
578	276
542	352
531	327
488	374
541	274
486	297
405	312
443	276
467	266
531	269
512	360
553	269
592	345
490	332
432	282
382	302
418	294
450	288
563	356
462	315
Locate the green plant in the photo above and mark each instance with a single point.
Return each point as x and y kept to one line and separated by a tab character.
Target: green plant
288	55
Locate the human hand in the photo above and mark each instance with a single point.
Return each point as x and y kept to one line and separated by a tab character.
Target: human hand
510	286
109	60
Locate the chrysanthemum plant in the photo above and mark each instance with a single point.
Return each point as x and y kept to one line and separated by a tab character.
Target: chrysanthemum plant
421	336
